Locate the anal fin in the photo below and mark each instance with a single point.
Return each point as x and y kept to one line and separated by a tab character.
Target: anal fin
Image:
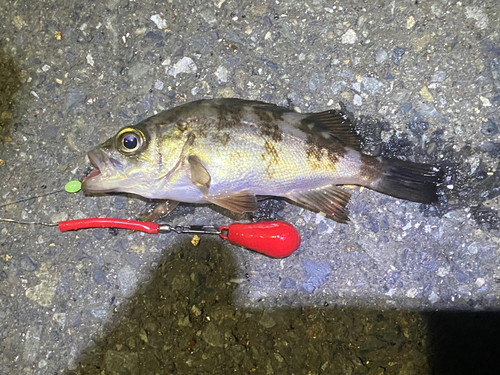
240	201
330	200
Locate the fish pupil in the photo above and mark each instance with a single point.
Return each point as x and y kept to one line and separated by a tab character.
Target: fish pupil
130	141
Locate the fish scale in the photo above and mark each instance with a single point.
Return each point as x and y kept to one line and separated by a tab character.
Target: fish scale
229	151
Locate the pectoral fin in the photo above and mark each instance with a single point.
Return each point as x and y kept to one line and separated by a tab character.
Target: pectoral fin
330	200
241	201
199	175
162	209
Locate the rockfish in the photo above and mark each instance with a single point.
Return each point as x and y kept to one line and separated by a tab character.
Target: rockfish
229	151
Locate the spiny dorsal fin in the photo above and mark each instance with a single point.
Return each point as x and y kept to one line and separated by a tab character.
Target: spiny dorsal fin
330	200
240	201
333	124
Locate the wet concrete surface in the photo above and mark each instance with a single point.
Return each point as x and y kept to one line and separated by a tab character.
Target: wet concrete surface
422	81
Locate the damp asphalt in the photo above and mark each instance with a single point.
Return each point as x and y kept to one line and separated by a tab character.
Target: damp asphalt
378	295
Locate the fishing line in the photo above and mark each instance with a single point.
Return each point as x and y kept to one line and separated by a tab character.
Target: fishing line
27	199
28	222
71	187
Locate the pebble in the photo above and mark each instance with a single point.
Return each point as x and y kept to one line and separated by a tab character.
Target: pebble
406	108
159	21
388	76
159	85
98	275
27	264
267	321
212	335
433	297
411	293
489	128
349	37
133	259
480	282
442	271
420	43
357	100
42	293
472	248
323	227
184	65
372	85
218	3
424	91
128	280
428	109
221	74
410	22
59	319
154	36
397	55
373	224
288	283
317	81
60	216
196	311
485	101
75	96
90	59
99	312
418	123
438	76
479	15
32	342
99	233
316	274
227	92
184	321
380	55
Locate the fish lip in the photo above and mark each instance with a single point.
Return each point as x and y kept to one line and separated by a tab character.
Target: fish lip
96	161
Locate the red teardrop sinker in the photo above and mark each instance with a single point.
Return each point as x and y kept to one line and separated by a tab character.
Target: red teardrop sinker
276	239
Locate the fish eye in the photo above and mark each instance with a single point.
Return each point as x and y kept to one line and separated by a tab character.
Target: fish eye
130	141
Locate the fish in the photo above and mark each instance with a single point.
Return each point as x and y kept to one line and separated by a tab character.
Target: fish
231	152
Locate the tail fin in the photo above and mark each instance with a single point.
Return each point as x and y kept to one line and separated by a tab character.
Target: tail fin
407	180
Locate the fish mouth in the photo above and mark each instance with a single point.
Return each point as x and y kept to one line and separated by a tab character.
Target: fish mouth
108	176
94	173
95	163
91	183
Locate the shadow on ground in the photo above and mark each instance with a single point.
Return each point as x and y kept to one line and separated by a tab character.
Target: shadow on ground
464	343
185	322
10	83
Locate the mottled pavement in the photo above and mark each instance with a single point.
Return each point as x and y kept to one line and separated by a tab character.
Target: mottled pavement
422	80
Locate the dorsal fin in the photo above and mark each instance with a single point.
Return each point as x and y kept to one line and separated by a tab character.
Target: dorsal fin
333	124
